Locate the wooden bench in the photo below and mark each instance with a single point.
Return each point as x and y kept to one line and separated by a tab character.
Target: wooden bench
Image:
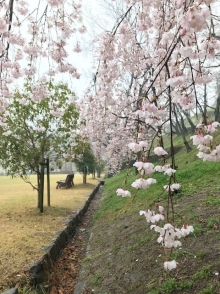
67	183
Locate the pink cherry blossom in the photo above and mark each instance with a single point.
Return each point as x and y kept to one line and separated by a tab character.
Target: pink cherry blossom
127	193
120	192
151	181
143	144
55	2
158	168
175	187
186	230
142	183
123	193
179	56
156	218
134	147
169	265
197	139
8	133
169	172
159	151
207	139
40	129
138	165
148	168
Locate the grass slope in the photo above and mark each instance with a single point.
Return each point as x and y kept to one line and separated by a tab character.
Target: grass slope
124	255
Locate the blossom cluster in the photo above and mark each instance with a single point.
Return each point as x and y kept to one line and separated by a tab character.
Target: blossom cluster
169	234
208	151
36	35
179	57
123	193
153	68
142	183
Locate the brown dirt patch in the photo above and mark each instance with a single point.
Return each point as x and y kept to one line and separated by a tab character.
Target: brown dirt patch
66	270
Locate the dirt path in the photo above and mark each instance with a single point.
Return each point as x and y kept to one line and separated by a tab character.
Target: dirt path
64	277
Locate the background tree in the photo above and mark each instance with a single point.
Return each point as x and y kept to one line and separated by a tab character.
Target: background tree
138	80
148	71
81	153
36	126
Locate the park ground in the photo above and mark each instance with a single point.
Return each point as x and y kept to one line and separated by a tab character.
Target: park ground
24	231
123	255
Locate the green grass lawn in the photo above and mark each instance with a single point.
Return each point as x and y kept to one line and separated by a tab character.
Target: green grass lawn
124	254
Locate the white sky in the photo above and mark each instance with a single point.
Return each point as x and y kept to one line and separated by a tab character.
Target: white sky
83	61
95	20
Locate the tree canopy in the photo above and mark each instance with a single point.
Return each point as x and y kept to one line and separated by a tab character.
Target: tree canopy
36	127
150	70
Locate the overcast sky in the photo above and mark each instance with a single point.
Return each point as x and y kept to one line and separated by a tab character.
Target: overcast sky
84	60
96	20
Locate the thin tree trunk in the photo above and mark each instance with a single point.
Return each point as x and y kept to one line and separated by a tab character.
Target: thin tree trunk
48	181
38	189
217	108
98	172
84	174
183	127
41	188
84	178
192	126
188	148
205	106
176	129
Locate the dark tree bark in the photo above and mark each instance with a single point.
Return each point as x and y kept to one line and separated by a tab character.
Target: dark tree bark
176	129
181	122
192	126
84	175
182	133
217	108
41	187
38	190
98	172
205	106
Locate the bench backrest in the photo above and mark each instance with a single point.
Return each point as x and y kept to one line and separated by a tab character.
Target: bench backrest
69	179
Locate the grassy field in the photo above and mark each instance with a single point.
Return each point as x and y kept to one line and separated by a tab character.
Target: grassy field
23	230
125	256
